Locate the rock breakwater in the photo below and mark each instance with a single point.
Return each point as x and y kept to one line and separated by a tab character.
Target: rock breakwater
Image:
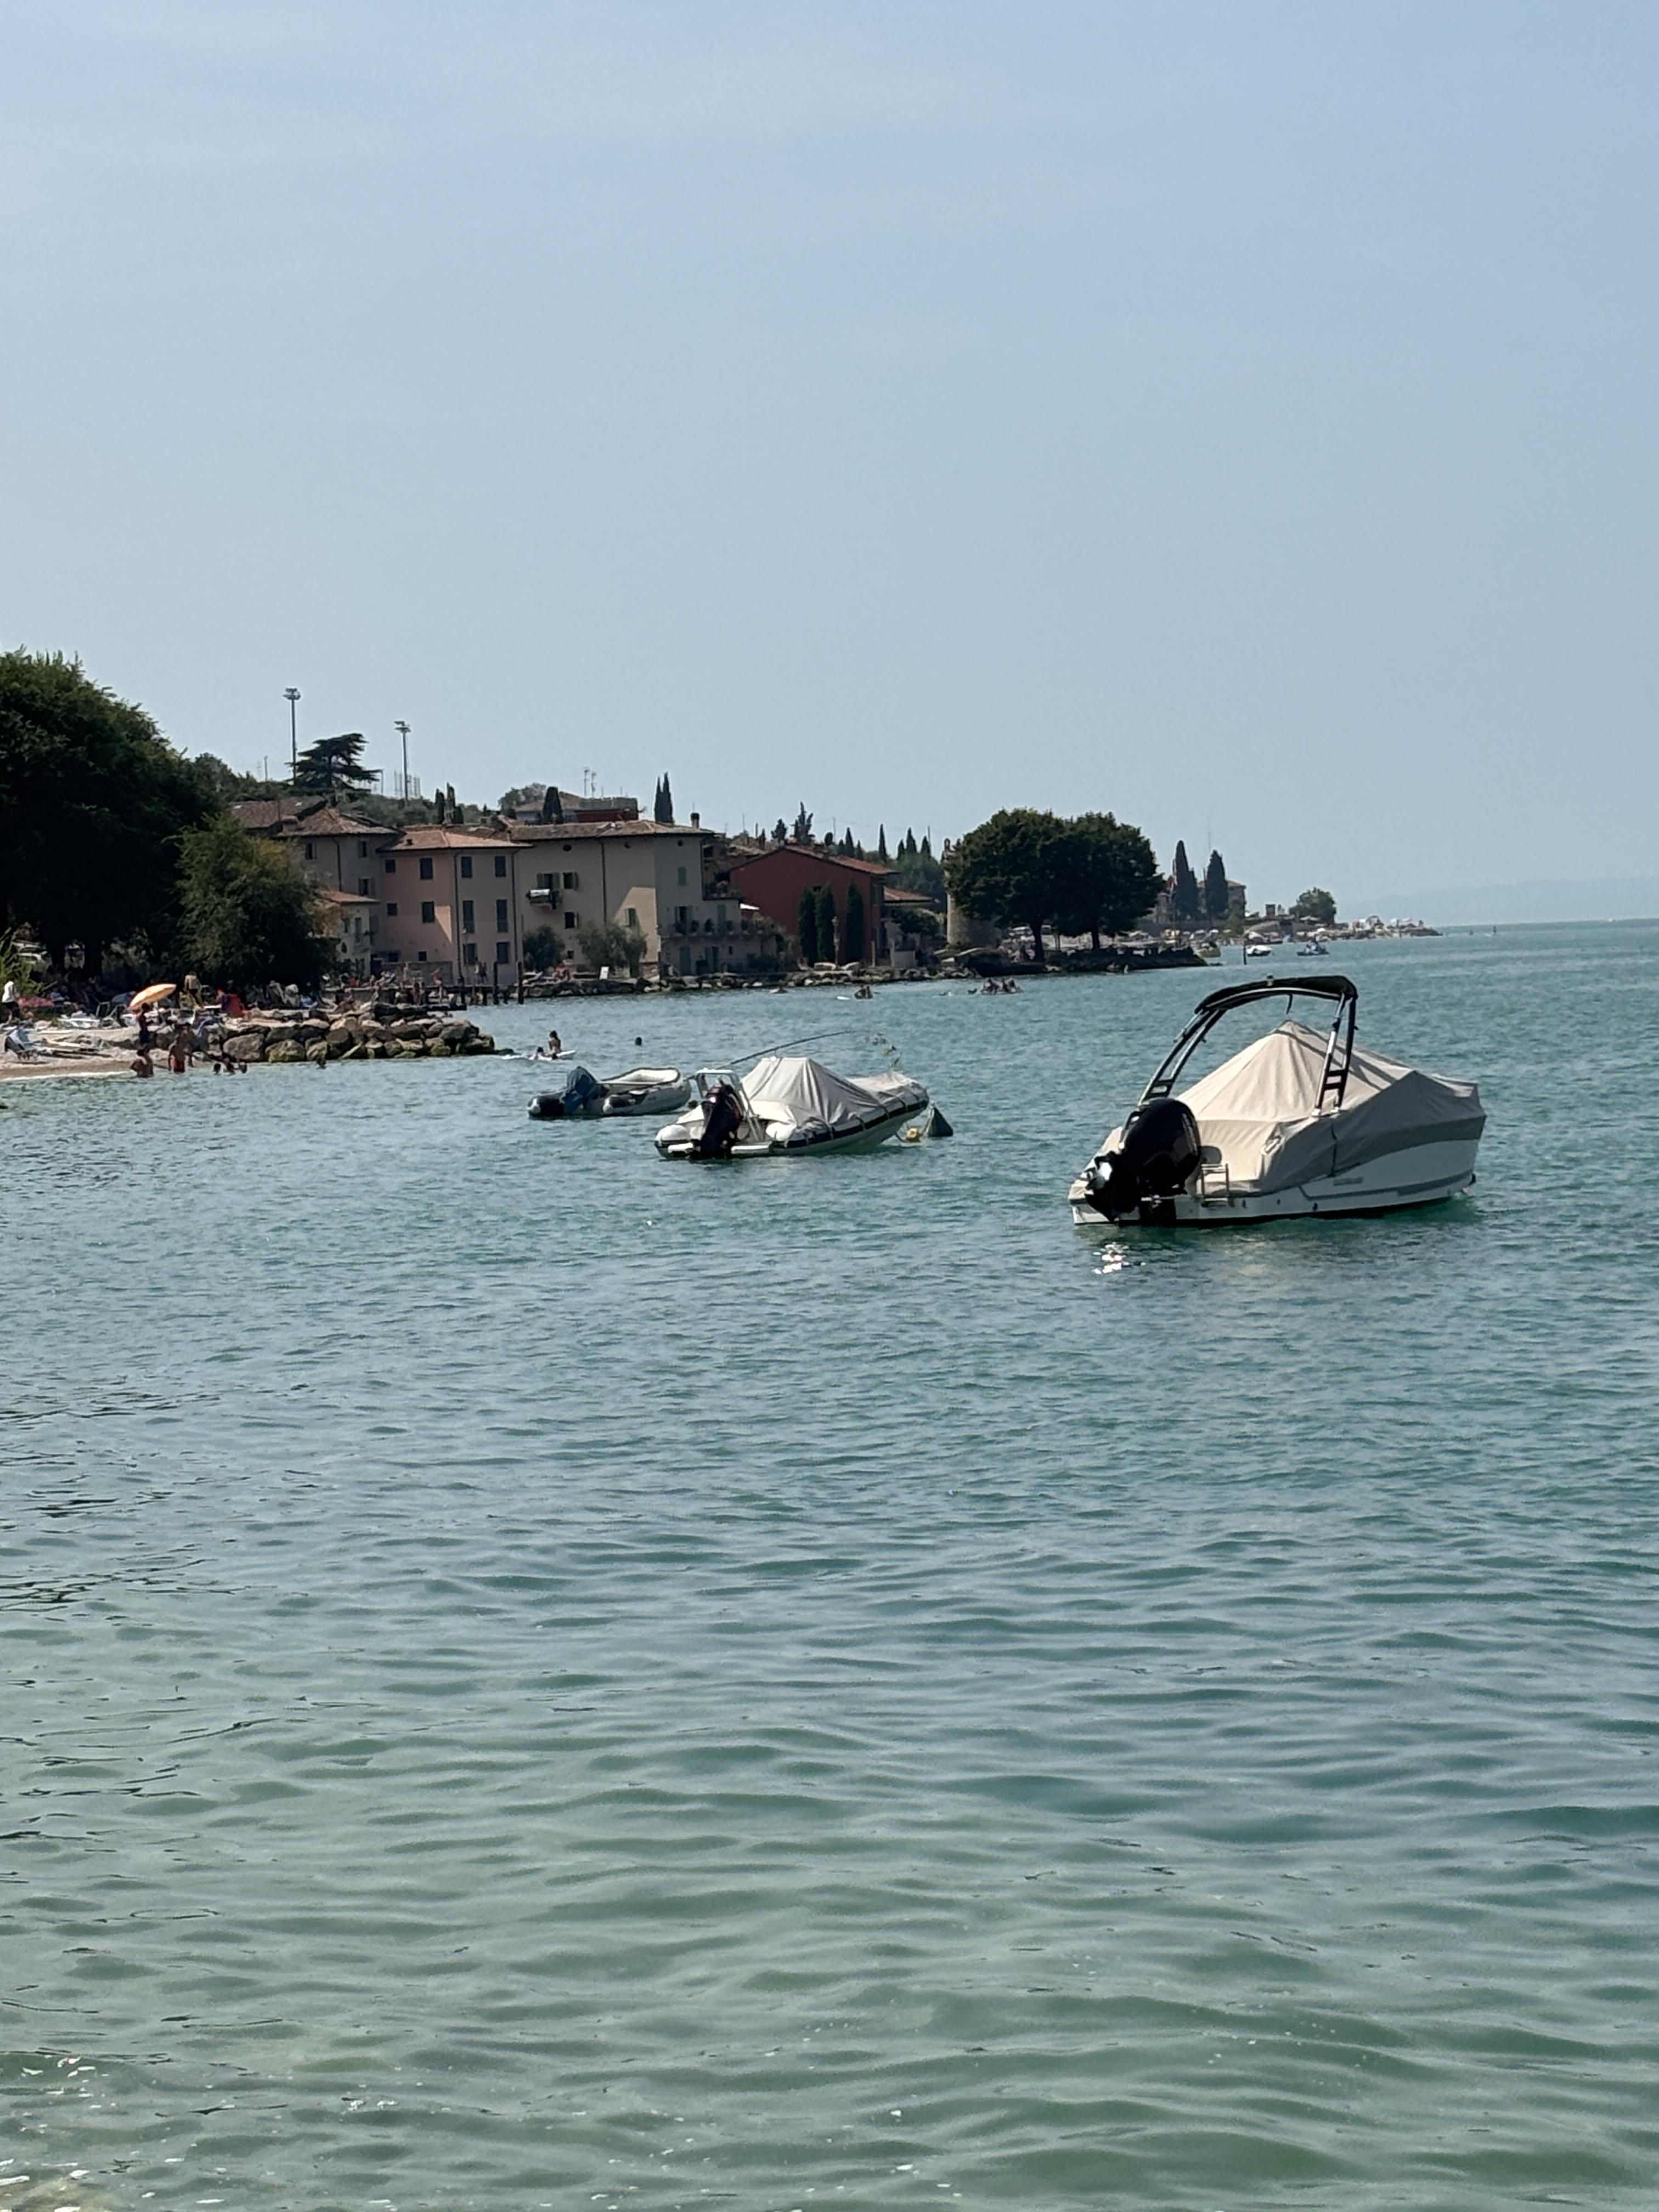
278	1039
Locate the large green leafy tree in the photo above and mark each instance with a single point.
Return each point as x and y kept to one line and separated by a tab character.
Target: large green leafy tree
92	800
1315	905
333	765
1106	876
1010	868
249	918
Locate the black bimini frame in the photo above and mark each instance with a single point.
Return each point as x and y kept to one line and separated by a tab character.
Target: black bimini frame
1338	1054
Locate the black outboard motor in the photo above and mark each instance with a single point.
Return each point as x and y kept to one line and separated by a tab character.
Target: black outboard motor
722	1118
1160	1149
581	1095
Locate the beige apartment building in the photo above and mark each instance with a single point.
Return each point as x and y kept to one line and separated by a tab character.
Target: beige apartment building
341	856
447	904
655	877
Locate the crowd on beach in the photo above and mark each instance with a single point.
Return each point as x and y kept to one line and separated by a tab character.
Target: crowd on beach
175	1027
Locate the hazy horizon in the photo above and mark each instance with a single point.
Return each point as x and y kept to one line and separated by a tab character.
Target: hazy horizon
1238	419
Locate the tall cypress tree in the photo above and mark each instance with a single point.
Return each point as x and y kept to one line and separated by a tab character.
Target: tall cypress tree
806	924
663	807
1184	903
881	842
852	931
826	922
1215	891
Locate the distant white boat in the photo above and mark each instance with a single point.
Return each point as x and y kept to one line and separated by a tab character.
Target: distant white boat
1295	1124
788	1105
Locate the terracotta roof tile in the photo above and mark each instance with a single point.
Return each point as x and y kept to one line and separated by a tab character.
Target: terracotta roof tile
433	836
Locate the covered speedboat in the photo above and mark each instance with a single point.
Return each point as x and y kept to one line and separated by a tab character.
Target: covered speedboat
789	1104
1296	1123
639	1090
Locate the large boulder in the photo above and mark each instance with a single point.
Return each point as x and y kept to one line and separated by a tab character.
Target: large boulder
284	1051
246	1045
457	1033
479	1042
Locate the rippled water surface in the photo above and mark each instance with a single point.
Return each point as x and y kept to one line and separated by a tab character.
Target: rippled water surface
533	1676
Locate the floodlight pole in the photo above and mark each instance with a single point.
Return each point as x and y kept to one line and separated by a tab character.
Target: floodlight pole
401	728
292	698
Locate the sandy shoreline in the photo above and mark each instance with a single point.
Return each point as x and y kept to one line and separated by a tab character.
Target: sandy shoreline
34	1070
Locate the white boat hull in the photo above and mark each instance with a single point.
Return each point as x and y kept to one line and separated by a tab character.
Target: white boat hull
798	1145
1421	1175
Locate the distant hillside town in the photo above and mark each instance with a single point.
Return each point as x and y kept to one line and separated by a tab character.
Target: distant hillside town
121	857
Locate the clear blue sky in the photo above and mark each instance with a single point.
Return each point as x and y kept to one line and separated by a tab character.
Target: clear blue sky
1240	417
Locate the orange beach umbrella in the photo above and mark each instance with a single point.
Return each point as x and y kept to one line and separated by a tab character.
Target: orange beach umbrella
151	993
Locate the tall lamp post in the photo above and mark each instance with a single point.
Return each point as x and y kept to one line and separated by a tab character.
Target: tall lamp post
292	698
401	728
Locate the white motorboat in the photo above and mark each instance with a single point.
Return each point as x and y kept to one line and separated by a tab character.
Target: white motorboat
586	1097
1296	1123
788	1105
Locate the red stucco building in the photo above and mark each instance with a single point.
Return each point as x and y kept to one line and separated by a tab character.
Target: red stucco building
774	882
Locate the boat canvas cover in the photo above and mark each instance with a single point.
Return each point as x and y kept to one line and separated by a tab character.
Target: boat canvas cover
804	1092
1260	1109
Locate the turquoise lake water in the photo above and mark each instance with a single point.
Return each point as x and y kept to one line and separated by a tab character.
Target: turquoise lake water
535	1676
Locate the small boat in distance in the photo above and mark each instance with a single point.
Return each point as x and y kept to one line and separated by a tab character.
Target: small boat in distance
583	1096
789	1104
1295	1124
